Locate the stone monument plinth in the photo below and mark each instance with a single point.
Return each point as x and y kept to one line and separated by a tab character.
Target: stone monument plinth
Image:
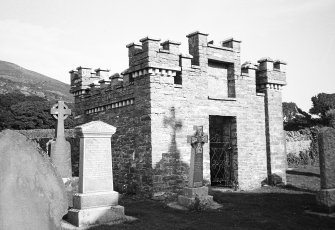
326	196
96	202
196	194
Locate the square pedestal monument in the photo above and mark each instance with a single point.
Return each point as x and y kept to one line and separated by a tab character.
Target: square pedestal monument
96	202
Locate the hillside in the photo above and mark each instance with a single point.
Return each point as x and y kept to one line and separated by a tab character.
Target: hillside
14	78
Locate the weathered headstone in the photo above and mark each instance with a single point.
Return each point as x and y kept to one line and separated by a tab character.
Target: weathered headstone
32	194
326	196
196	192
60	148
96	202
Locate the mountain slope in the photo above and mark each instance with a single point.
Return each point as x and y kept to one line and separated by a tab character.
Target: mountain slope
14	78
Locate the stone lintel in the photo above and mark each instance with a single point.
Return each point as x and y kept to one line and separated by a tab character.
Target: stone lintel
95	129
195	33
96	199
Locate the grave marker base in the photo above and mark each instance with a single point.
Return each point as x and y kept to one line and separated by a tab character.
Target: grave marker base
94	216
96	199
195	196
325	199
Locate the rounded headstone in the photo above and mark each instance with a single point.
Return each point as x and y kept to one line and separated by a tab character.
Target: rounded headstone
32	195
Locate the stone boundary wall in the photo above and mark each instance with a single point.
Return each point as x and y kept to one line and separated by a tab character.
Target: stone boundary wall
302	147
298	141
42	136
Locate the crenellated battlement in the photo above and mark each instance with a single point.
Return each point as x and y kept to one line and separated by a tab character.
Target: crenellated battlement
270	74
152	53
151	56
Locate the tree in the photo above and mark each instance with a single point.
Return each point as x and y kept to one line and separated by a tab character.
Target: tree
32	115
289	111
294	117
322	103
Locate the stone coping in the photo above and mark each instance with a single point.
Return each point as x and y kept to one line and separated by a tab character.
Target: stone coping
230	39
170	42
195	33
147	38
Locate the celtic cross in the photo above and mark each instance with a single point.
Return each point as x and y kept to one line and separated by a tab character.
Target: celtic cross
60	112
196	164
198	140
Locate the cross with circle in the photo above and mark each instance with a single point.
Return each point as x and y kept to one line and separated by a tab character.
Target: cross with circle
60	112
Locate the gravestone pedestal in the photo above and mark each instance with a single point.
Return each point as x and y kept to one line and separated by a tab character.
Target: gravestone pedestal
326	196
196	194
96	202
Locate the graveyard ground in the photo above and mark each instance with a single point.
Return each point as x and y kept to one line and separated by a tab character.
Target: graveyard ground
265	208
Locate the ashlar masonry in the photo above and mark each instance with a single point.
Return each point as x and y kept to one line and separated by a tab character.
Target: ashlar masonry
156	102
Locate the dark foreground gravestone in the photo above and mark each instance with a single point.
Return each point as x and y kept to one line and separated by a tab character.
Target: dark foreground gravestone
326	196
32	195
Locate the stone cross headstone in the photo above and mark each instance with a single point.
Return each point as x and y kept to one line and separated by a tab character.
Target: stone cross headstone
59	148
32	194
196	194
196	165
326	196
96	202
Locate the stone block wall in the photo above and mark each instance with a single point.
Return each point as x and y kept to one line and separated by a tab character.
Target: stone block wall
42	136
126	106
177	108
302	147
163	94
298	141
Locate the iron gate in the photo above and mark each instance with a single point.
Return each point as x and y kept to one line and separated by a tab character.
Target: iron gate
221	161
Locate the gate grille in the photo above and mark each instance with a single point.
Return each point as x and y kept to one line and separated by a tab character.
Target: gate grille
221	161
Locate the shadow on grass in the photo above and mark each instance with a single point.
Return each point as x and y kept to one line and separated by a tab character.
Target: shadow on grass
297	189
274	208
309	174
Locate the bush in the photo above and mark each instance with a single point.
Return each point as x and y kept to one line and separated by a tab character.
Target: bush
330	118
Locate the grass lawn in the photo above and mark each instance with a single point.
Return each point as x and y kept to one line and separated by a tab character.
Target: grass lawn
265	208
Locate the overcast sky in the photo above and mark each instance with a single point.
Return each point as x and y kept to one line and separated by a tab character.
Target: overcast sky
53	37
